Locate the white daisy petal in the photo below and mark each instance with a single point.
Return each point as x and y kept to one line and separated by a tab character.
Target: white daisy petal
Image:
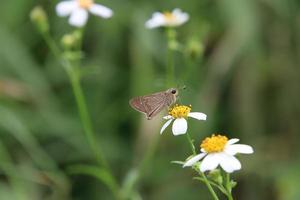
210	162
165	125
194	159
179	126
78	17
65	8
176	11
168	117
239	148
101	11
197	115
183	18
232	141
157	20
229	163
157	15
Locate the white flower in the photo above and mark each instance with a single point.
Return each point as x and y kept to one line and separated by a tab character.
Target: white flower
178	113
78	11
167	19
218	150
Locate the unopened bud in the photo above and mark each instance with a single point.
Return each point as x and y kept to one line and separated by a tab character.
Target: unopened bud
71	40
216	176
194	49
68	41
39	17
233	183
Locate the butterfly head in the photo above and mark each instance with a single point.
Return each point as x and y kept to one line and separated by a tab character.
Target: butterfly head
173	91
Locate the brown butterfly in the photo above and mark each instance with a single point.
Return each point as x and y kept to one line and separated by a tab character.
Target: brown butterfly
152	104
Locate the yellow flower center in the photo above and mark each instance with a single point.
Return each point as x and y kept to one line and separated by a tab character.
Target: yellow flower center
180	111
215	143
169	16
86	4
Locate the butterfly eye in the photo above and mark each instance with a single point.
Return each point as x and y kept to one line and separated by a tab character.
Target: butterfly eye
174	91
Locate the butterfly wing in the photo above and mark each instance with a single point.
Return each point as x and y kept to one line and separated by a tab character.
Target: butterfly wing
156	110
151	105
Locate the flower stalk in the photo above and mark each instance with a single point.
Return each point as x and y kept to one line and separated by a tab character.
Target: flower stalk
191	142
208	185
74	77
72	68
228	187
171	42
203	176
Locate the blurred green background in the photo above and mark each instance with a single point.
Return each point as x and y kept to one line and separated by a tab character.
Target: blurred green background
246	79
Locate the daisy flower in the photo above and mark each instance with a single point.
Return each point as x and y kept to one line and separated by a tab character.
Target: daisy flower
167	19
218	150
78	11
179	114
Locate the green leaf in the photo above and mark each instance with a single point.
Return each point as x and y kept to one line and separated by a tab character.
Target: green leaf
233	183
216	176
100	173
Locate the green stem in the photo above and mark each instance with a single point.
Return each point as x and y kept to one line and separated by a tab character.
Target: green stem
72	69
52	45
220	187
74	76
228	187
191	143
170	72
211	190
84	115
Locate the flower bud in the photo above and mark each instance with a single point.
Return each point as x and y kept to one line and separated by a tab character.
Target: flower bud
194	49
216	176
71	40
39	17
233	183
68	41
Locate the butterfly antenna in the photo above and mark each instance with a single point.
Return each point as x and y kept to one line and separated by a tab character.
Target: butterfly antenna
183	87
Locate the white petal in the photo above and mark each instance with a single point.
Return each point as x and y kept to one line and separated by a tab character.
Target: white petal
179	126
65	8
165	126
101	11
232	141
168	117
157	20
229	163
210	162
176	11
181	17
78	18
184	17
197	115
239	148
194	159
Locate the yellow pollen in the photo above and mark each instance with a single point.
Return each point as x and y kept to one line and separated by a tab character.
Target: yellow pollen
215	143
86	4
180	111
169	16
